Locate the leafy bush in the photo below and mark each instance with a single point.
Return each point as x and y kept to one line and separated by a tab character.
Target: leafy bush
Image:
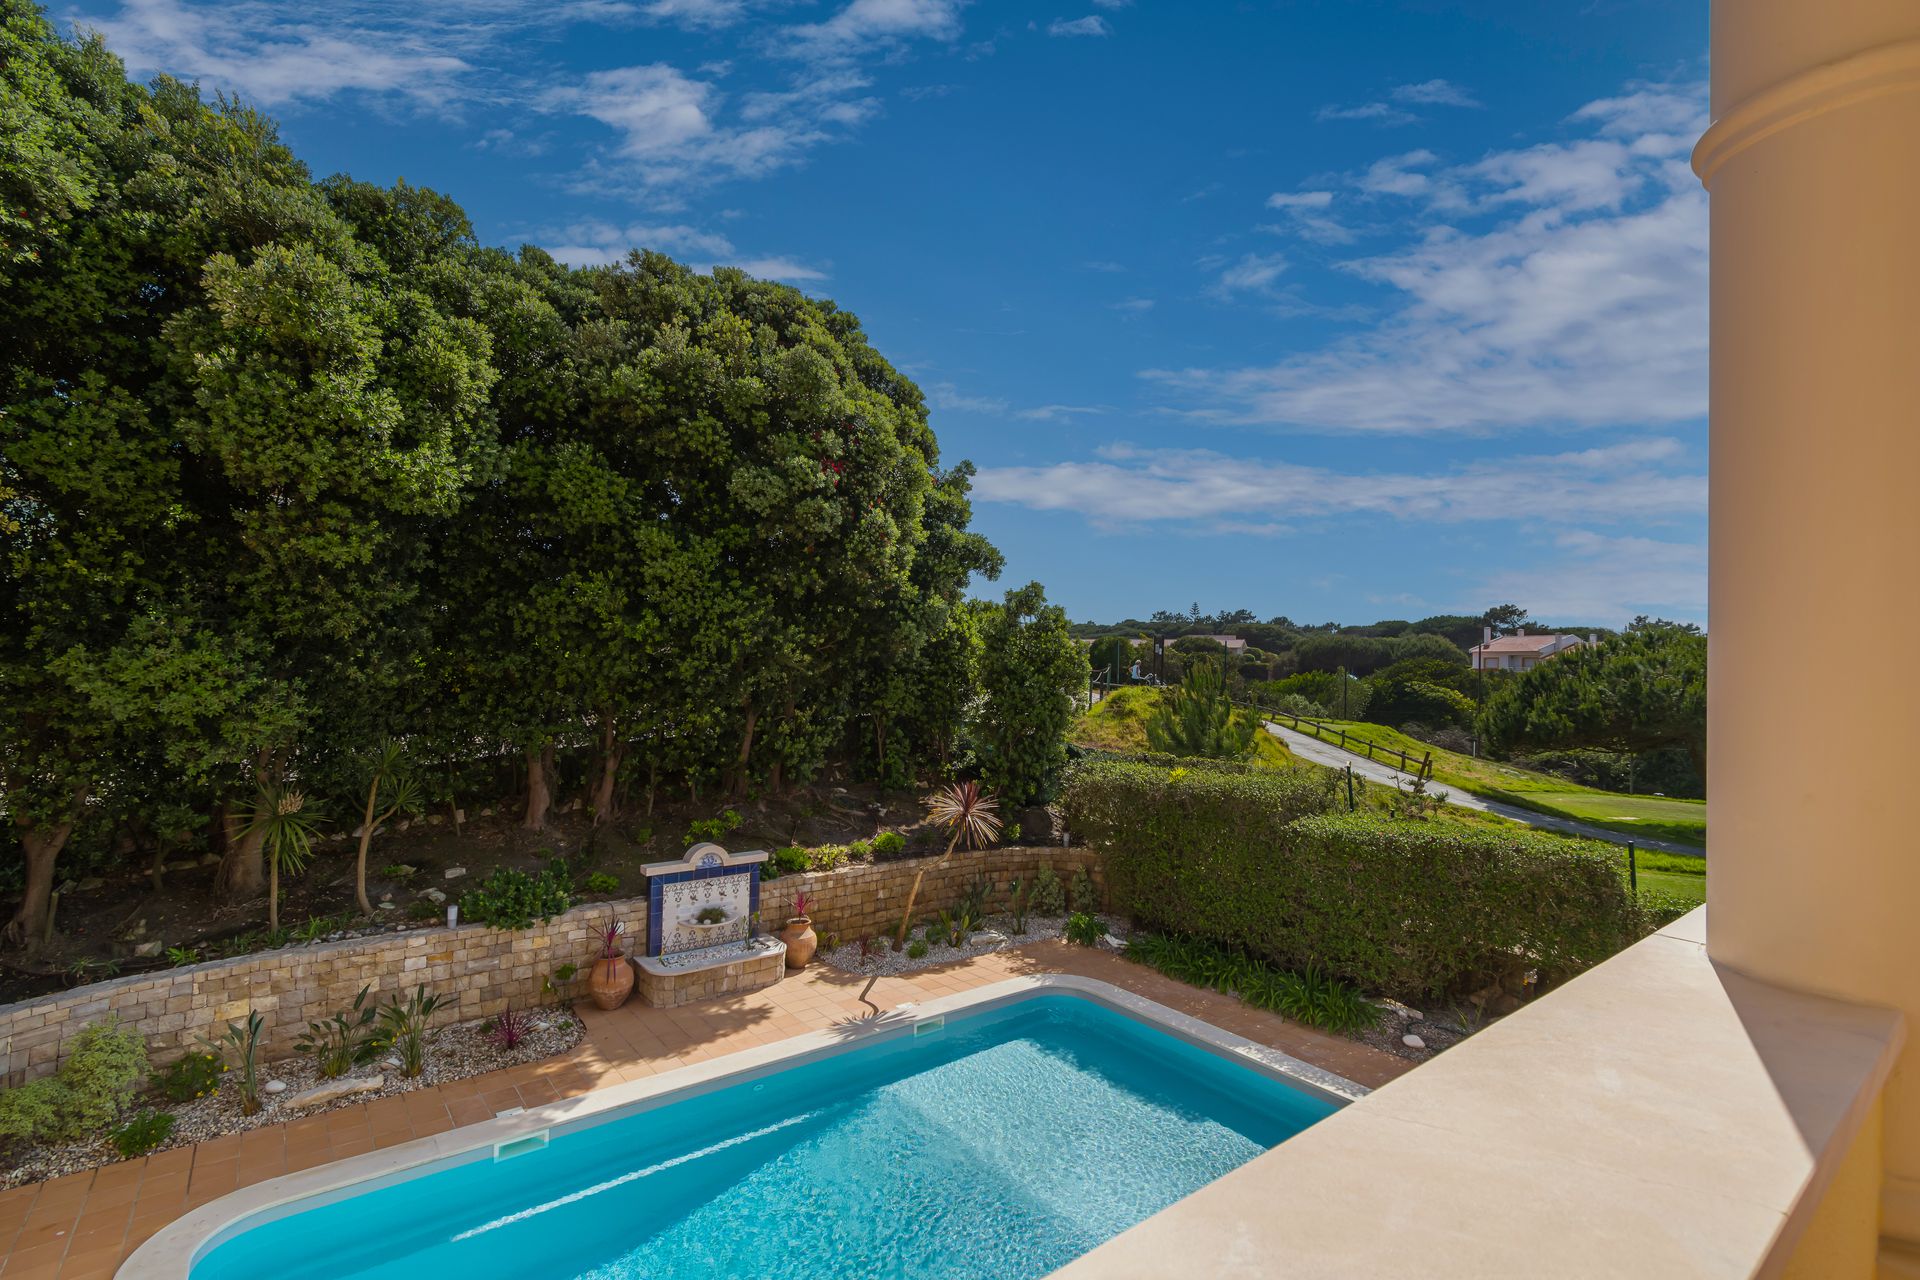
1251	861
714	829
601	882
916	950
787	861
888	844
828	856
141	1134
405	1024
1663	906
1081	893
28	1113
1084	930
1048	897
193	1076
1311	997
105	1066
510	899
344	1041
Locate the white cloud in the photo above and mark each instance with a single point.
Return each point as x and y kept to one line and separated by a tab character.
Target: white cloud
1378	112
944	395
1251	273
1056	412
1585	306
1133	306
1299	199
1398	175
868	24
1091	25
273	58
1433	93
787	269
674	129
1609	579
599	244
1641	480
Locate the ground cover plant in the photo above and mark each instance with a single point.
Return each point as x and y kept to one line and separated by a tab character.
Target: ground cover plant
1310	996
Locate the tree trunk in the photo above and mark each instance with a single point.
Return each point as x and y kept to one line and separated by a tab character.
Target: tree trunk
746	750
241	871
273	894
604	803
539	786
366	838
42	845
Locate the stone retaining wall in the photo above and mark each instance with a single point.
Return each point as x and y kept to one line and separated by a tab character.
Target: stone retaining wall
488	969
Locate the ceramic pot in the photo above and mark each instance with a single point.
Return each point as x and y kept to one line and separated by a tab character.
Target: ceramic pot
611	982
801	941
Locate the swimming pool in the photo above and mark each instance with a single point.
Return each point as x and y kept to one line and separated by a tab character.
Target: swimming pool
1002	1143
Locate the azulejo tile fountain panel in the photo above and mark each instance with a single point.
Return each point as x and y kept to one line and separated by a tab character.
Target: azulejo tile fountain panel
708	881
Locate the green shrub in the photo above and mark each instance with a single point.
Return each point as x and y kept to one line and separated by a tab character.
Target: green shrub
712	829
828	856
888	844
424	909
510	899
1081	893
1048	897
1251	862
105	1066
1663	906
1312	996
601	882
787	861
1084	930
27	1113
141	1134
190	1077
916	950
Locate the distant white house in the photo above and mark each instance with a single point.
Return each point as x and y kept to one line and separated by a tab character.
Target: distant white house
1520	651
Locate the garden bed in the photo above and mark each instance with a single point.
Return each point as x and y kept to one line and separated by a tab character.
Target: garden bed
997	934
457	1051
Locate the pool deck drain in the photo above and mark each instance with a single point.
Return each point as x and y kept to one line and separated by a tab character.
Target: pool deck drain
81	1227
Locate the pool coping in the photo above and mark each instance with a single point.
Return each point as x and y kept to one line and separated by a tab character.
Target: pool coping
171	1252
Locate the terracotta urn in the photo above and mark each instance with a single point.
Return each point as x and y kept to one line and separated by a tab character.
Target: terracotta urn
801	941
611	982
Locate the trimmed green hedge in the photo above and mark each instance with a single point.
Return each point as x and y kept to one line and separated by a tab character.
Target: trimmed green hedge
1259	862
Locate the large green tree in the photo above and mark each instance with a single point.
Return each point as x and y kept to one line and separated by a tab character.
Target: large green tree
1639	691
1030	669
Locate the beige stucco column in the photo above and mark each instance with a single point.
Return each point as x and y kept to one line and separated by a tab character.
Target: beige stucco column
1813	162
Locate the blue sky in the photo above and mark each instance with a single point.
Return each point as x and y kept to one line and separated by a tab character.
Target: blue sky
1339	310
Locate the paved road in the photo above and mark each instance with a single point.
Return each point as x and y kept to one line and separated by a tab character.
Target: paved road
1310	748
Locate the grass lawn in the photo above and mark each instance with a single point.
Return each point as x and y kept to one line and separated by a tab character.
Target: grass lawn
1118	722
1661	817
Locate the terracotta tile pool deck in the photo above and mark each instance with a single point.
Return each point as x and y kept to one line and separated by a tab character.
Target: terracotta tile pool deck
82	1226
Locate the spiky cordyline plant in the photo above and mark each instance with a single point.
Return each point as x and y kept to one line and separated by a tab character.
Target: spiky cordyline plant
966	810
286	828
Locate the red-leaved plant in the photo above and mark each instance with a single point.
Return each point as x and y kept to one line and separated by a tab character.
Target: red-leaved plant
610	940
800	904
509	1029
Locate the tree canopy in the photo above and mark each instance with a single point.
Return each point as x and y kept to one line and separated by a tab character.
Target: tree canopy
1639	691
290	470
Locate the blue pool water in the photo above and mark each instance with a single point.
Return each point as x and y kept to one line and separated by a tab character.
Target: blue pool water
1003	1146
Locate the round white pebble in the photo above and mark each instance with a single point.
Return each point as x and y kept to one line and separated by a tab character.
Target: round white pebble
274	1086
1413	1042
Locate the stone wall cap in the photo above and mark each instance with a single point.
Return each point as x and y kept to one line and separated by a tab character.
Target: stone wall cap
704	854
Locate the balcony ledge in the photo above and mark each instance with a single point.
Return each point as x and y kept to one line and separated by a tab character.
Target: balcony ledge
1658	1116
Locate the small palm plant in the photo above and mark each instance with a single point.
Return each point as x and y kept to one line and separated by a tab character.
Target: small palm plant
969	814
405	1024
386	772
286	827
240	1046
344	1041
